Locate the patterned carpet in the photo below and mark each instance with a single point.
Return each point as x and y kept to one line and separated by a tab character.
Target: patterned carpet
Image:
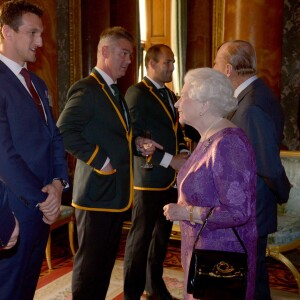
281	279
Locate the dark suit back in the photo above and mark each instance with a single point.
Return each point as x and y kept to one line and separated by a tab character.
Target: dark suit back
260	115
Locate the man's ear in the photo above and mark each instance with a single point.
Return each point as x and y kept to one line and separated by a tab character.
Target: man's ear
105	51
152	63
229	69
7	31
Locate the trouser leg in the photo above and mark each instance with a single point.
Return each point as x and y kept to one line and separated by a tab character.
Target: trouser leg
99	235
262	288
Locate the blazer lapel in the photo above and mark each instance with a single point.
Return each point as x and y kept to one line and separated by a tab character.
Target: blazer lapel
155	92
105	88
24	94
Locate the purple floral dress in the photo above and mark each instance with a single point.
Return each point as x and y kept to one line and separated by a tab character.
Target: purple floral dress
220	173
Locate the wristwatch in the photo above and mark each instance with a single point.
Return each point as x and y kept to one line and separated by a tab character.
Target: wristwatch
64	183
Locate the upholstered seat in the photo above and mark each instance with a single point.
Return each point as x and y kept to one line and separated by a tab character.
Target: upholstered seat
66	217
287	236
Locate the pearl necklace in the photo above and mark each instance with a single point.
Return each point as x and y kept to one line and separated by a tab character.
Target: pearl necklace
210	127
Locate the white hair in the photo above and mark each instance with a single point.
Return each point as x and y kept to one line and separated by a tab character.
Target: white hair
206	84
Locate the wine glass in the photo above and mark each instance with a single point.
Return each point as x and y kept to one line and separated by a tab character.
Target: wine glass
147	164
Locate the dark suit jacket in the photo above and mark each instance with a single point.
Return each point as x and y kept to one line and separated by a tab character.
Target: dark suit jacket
7	222
31	152
260	115
148	112
93	129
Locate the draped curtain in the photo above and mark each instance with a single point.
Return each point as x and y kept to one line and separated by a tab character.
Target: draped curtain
179	41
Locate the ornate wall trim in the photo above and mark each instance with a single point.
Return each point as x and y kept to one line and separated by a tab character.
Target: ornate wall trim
75	40
218	25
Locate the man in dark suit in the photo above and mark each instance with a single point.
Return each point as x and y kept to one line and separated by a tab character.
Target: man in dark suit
96	129
260	115
33	169
152	109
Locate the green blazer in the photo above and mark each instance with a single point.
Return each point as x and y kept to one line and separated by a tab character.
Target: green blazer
93	129
148	112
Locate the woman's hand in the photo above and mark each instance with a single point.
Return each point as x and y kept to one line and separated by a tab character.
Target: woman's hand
176	212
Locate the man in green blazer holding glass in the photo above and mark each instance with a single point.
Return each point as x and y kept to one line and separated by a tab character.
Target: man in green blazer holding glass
152	111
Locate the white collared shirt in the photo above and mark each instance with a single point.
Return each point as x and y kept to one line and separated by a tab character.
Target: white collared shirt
161	87
242	86
106	78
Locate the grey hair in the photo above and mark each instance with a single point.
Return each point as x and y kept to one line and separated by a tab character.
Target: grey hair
112	34
241	55
206	84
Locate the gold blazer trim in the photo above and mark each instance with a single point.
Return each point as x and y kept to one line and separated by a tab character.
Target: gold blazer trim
175	125
105	173
102	209
139	188
93	155
129	139
112	102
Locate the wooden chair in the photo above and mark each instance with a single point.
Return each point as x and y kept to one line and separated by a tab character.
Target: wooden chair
287	236
66	217
175	233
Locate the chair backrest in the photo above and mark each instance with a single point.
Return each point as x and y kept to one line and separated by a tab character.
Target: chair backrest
291	163
288	227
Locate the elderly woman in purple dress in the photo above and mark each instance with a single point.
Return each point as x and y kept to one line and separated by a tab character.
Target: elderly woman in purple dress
220	173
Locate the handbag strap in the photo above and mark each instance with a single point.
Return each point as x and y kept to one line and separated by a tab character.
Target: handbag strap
202	227
204	224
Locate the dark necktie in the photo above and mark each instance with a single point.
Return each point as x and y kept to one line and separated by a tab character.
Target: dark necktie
165	98
24	72
119	98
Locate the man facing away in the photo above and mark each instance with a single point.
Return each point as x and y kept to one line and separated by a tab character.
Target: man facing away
260	115
151	108
96	129
33	170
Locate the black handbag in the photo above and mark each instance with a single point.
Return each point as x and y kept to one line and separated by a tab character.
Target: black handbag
216	275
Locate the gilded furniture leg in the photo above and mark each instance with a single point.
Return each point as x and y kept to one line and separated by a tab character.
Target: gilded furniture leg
280	257
71	236
48	252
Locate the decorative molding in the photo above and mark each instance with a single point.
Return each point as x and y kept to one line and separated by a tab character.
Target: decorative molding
75	40
218	25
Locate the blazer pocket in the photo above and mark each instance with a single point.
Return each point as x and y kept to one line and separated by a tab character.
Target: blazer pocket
102	186
104	173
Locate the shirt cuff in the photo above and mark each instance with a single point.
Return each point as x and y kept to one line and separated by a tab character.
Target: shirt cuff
165	162
64	183
106	163
185	151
